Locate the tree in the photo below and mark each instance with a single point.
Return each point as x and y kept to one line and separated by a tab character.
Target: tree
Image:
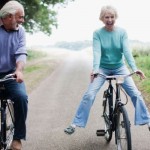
40	15
2	3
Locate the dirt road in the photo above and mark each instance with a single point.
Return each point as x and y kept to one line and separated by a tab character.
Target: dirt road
52	106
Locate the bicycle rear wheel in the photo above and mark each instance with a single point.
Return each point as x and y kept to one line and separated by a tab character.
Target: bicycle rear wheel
9	123
107	121
123	134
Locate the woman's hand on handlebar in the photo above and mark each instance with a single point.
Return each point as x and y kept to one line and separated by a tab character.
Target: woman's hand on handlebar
141	74
92	76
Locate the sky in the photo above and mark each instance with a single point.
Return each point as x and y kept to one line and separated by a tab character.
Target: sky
80	18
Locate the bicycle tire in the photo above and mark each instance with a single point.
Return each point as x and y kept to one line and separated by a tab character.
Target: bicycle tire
107	121
9	123
123	133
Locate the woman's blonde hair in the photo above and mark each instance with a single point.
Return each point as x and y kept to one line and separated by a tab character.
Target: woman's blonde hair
107	9
10	7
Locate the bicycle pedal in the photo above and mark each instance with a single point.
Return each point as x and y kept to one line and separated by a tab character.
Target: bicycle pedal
100	132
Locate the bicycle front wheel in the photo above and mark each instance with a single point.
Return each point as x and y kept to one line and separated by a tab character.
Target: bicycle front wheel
9	123
123	134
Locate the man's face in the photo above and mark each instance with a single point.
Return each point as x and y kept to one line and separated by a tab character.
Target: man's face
16	19
11	22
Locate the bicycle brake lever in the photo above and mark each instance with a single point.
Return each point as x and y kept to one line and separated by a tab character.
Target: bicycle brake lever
10	75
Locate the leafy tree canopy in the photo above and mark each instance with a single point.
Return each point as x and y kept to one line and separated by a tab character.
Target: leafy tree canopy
40	15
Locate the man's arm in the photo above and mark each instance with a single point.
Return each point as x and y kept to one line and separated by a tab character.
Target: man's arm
19	71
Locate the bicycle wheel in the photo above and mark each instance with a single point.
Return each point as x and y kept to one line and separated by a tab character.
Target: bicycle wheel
123	134
9	123
107	121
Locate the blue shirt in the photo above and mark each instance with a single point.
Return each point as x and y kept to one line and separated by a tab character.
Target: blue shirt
110	48
12	48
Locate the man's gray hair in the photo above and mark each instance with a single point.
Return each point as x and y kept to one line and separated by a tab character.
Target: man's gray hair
10	7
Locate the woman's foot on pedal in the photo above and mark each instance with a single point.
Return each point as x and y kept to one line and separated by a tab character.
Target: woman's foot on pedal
69	130
148	126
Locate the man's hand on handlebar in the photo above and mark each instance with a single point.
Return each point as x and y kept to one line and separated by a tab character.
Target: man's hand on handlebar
19	76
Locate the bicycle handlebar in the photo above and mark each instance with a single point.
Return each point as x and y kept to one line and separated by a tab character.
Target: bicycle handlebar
119	78
8	77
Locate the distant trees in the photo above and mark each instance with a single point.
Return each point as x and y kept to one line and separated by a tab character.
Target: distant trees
78	45
40	15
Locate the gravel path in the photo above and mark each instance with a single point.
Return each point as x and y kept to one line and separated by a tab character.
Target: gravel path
52	106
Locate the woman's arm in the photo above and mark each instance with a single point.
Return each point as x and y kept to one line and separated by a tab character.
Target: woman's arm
96	52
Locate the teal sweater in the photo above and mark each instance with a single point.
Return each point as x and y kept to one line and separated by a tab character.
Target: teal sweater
110	48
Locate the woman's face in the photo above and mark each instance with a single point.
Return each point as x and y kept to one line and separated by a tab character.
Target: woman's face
109	21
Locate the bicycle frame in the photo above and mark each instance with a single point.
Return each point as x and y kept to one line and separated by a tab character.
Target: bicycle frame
109	93
113	107
5	138
115	115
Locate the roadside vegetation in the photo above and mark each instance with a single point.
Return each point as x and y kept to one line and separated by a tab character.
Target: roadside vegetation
40	15
39	66
142	58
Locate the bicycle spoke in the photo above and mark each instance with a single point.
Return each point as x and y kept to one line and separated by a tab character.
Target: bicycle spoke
123	131
9	123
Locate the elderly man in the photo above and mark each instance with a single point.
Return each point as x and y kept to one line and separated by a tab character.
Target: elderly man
12	60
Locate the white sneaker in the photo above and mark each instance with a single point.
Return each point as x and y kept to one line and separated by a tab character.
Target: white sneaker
148	126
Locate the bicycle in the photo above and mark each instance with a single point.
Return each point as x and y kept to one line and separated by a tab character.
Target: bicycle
115	115
7	115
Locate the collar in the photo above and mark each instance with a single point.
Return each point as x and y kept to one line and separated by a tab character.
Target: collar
3	27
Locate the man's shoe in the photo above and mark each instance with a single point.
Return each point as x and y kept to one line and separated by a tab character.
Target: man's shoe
16	145
70	130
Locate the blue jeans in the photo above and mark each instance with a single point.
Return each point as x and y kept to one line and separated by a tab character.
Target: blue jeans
142	115
17	93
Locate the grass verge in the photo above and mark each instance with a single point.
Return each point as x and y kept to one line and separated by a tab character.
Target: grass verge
39	66
142	58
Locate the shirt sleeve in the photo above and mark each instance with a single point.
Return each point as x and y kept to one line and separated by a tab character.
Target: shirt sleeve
96	52
127	52
21	51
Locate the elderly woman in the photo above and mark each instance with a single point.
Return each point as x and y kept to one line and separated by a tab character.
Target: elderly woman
110	46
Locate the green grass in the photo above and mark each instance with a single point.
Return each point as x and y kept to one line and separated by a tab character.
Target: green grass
142	58
32	55
39	66
32	68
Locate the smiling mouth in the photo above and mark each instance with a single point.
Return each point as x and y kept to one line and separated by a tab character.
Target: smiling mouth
108	23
